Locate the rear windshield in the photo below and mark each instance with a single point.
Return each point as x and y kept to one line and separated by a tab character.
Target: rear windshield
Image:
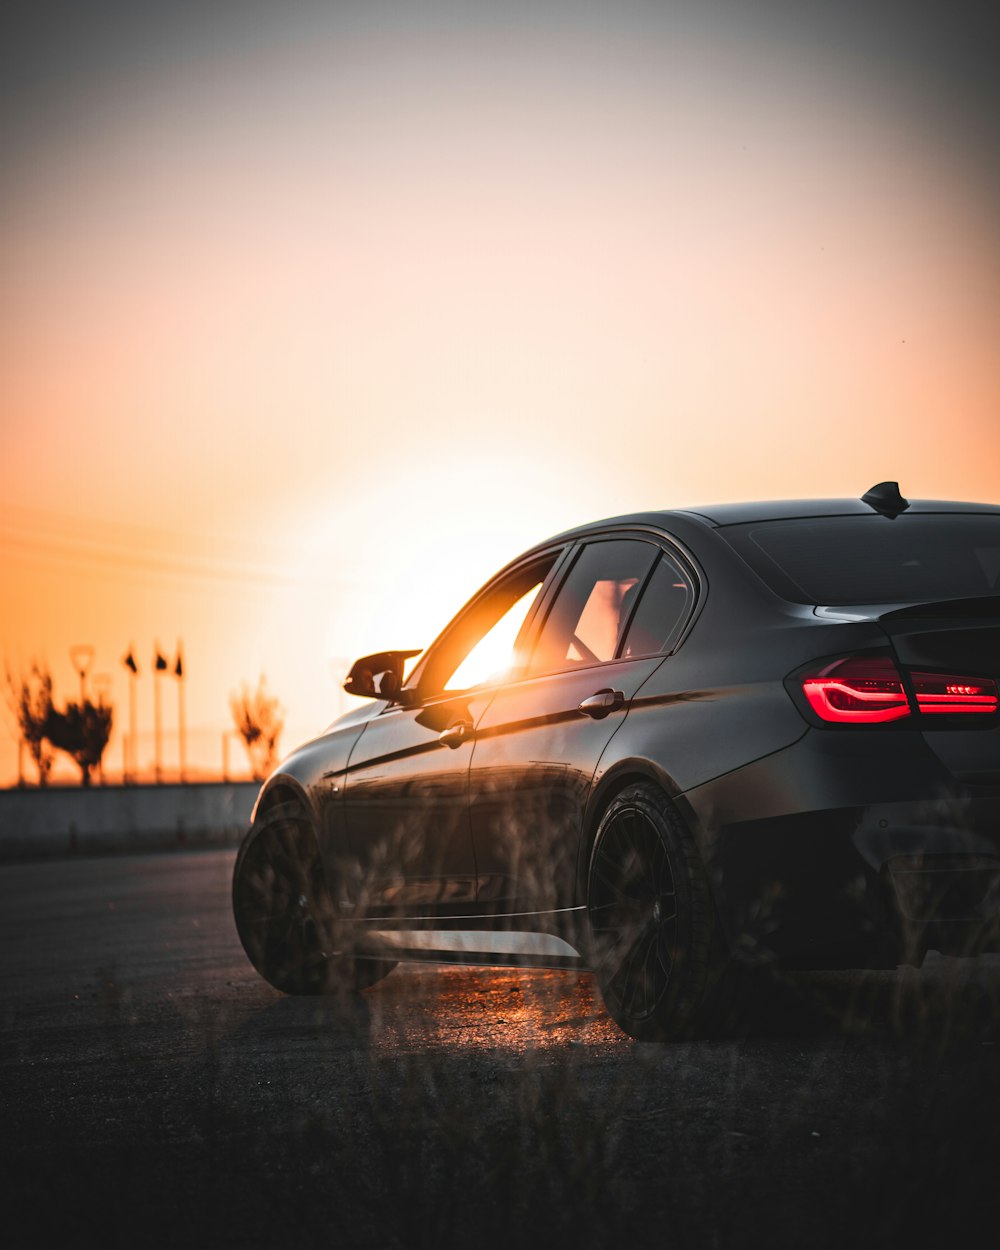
871	559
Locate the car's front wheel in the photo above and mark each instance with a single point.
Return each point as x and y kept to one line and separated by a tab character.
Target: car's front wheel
284	913
651	916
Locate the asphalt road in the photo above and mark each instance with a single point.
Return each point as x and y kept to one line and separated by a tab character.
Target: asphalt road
156	1092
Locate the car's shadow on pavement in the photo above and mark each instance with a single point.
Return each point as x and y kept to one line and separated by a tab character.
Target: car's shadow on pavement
946	1002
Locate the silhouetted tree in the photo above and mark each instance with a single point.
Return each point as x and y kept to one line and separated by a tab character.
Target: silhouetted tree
82	731
259	720
30	700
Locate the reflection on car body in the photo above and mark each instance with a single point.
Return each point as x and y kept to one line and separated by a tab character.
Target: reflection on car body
659	746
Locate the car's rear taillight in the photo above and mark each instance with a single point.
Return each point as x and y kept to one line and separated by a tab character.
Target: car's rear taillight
859	690
944	694
870	690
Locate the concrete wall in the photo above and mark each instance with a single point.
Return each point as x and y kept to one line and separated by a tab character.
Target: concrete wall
60	821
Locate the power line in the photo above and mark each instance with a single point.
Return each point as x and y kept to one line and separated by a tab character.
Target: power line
126	559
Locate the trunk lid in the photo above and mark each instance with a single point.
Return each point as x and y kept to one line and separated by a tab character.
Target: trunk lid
960	637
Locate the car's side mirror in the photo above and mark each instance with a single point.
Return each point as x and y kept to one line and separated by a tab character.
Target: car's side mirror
378	676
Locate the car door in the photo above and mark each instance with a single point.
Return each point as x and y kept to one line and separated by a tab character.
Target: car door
406	785
539	742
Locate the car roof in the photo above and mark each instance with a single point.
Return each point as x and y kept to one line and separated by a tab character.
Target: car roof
719	515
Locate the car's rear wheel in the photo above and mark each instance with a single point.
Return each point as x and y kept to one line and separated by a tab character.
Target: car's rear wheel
284	913
651	916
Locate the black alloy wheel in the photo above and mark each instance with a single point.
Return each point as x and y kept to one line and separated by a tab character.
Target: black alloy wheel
651	916
284	914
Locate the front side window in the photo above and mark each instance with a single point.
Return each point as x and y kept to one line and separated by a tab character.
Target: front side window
593	606
494	655
480	647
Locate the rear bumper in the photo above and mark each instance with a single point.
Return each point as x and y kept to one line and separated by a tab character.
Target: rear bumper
862	851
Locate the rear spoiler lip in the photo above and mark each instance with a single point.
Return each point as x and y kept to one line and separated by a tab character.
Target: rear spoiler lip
978	607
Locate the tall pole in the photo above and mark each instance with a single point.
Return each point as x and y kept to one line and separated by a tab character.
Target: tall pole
157	731
181	720
159	668
133	740
132	755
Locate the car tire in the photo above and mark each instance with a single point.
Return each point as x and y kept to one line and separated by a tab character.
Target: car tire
652	918
284	913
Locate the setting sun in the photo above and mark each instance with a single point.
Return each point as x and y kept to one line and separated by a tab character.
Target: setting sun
493	656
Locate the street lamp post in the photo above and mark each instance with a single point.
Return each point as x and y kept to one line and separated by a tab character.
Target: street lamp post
82	656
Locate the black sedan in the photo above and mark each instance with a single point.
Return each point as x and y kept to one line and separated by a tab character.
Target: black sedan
666	747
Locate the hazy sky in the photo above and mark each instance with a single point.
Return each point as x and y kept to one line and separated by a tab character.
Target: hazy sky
310	318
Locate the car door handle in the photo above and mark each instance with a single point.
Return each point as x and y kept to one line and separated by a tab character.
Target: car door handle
600	704
455	734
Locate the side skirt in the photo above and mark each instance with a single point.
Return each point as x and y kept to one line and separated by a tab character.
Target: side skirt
500	948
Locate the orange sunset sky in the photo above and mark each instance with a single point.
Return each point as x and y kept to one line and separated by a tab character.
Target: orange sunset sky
308	323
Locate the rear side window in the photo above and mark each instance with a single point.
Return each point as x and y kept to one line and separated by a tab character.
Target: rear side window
661	613
593	605
872	559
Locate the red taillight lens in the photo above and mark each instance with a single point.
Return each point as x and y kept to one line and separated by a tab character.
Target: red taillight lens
944	694
860	690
